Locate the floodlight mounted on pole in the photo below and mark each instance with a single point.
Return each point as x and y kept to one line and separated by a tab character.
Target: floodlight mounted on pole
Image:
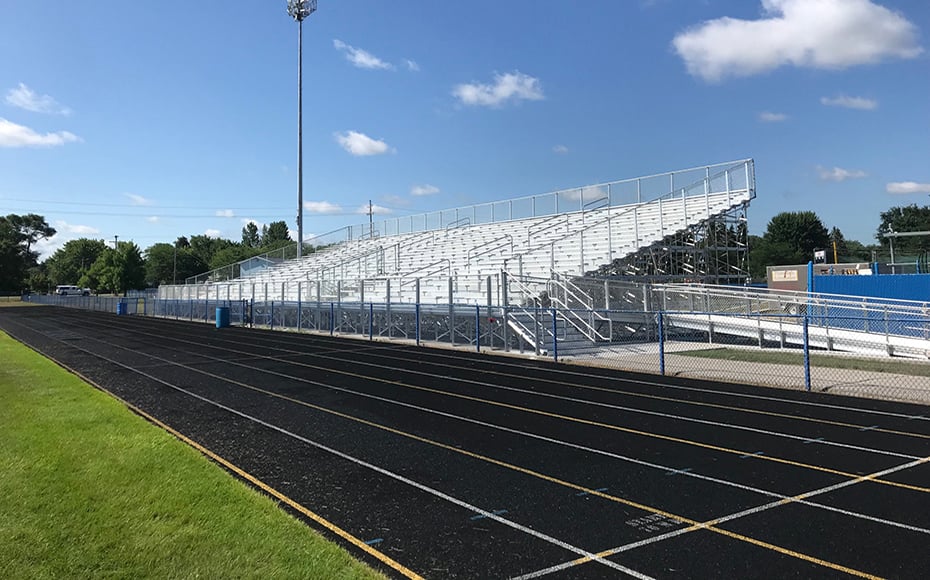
298	10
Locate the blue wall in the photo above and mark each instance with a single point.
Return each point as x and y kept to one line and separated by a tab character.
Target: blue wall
897	286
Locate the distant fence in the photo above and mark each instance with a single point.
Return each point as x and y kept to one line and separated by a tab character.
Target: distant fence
798	350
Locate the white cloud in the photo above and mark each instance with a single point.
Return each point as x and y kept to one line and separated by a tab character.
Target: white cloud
25	98
514	86
211	233
822	34
13	135
839	174
412	65
907	187
361	58
560	149
375	209
247	221
396	200
425	189
138	199
360	144
860	103
770	117
153	219
226	213
65	232
323	207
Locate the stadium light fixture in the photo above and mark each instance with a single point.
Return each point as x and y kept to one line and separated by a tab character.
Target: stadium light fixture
299	10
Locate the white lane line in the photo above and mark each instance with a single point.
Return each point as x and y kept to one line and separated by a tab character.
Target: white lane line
776	434
717	521
680	387
385	472
668	470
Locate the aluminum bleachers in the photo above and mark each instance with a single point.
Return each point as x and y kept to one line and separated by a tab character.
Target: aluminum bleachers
453	263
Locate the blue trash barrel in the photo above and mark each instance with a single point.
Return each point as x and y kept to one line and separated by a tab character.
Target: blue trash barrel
122	308
222	316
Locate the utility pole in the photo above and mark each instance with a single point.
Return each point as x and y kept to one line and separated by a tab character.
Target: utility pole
115	242
371	226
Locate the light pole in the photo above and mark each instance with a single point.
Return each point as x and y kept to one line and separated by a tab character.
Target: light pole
298	10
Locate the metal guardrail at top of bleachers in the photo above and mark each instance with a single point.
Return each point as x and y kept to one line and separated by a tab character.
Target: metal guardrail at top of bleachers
621	192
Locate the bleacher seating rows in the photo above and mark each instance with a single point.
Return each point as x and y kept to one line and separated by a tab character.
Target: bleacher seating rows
568	243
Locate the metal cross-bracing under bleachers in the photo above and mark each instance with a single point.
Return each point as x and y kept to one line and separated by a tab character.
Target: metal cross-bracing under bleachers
449	256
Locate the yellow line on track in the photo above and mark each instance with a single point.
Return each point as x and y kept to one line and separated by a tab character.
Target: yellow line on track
403	570
694	524
594	424
645	395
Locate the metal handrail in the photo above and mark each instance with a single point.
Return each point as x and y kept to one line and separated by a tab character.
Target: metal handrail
469	256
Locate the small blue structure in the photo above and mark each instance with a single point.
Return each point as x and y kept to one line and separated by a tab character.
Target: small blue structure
222	316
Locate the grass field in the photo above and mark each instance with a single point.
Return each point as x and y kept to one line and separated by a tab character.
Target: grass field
895	366
89	489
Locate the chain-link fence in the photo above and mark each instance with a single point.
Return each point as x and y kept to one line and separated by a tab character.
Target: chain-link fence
880	354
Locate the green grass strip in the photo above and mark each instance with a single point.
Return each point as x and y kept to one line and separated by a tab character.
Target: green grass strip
894	366
89	489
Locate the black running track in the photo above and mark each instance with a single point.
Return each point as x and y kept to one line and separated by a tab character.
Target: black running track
445	464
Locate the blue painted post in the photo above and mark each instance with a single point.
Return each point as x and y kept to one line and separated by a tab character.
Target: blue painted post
477	328
332	318
417	307
190	309
371	321
807	354
661	324
272	315
299	308
251	312
555	337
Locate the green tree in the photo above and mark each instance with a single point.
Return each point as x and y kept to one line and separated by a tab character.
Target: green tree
160	264
275	235
117	271
204	248
250	237
231	255
790	238
17	235
909	218
70	262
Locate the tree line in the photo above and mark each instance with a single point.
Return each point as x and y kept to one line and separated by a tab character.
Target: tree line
790	238
92	263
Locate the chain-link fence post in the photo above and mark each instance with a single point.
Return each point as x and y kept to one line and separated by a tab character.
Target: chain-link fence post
555	337
332	318
807	353
477	328
371	321
417	318
661	323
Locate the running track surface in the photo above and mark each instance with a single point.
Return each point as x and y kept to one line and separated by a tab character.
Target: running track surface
446	464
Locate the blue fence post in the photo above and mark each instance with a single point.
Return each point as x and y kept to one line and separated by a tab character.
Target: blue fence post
251	312
332	318
417	330
661	323
371	321
272	315
299	309
807	353
477	328
555	337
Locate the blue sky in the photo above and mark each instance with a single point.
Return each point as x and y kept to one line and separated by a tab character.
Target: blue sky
151	120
